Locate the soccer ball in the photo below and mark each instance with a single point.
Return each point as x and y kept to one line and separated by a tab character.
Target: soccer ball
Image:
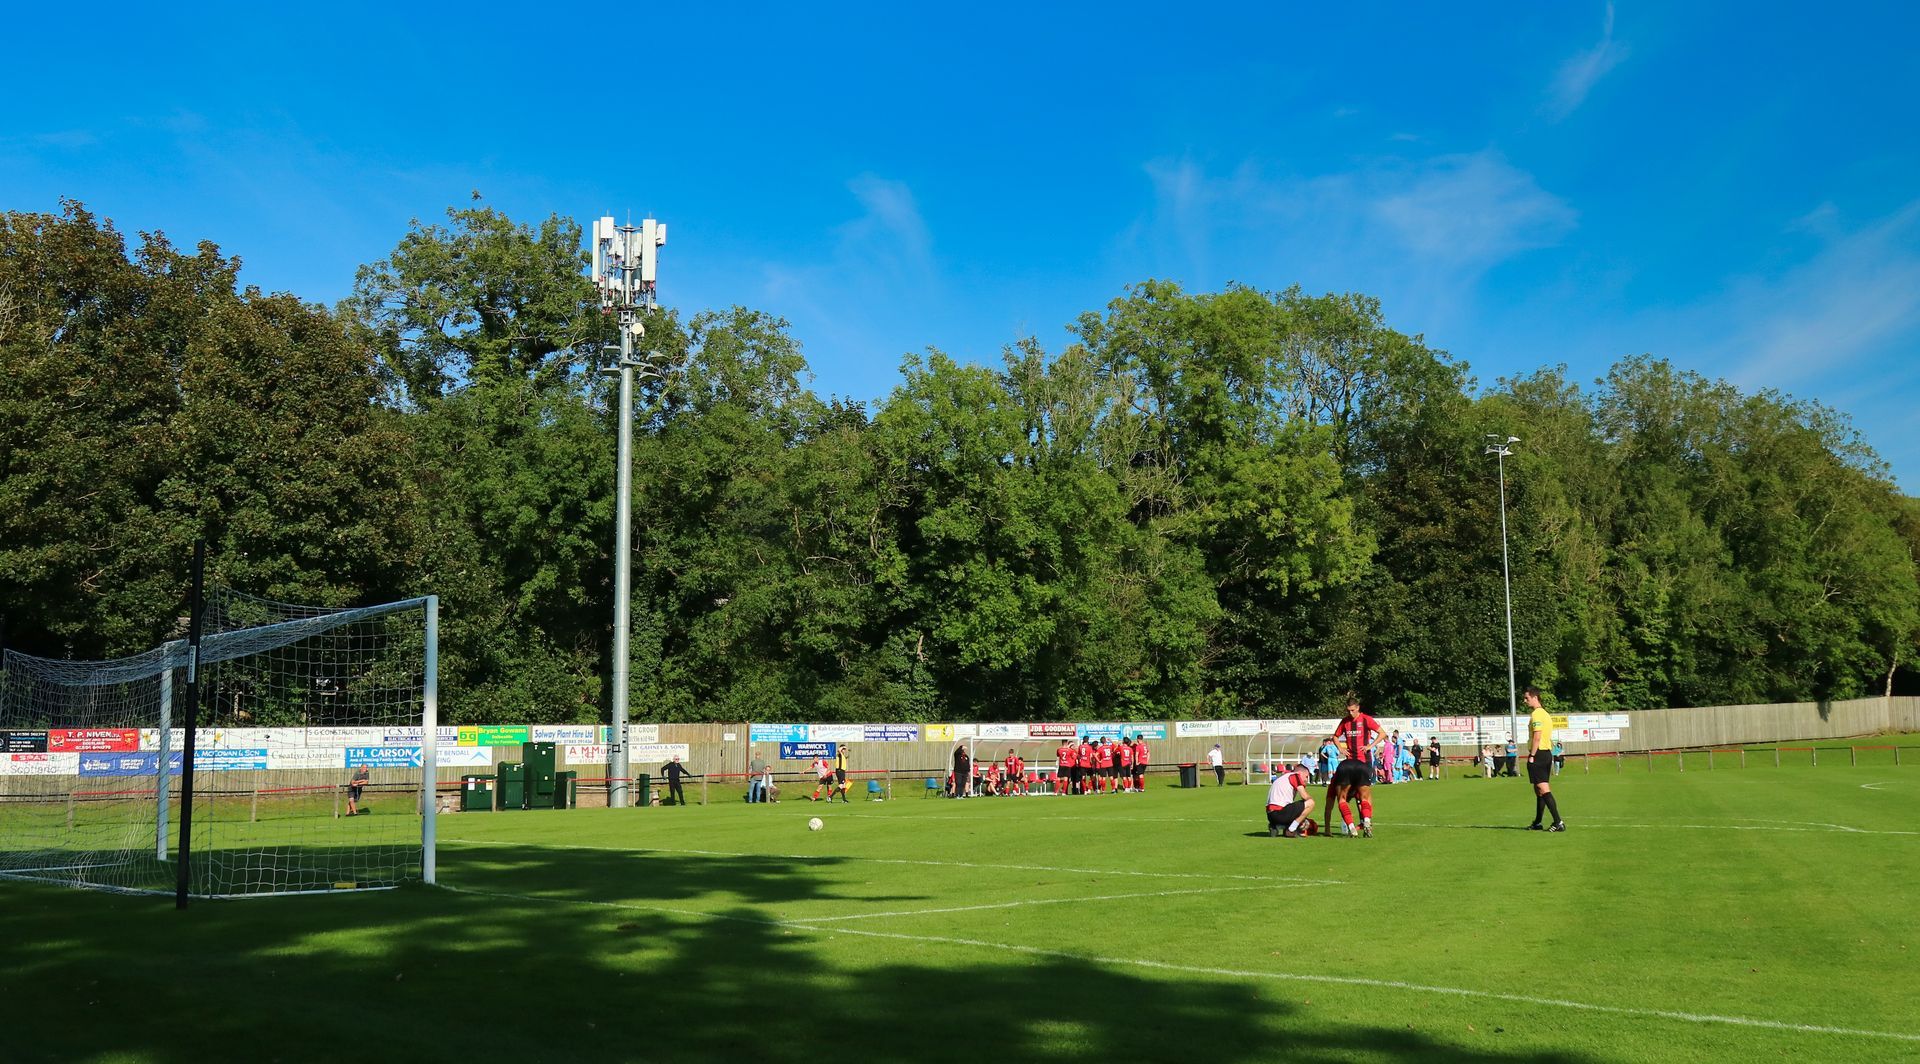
815	824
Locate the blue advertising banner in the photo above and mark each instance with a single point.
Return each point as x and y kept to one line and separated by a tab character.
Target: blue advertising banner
890	733
383	756
217	760
126	764
807	751
1115	731
777	733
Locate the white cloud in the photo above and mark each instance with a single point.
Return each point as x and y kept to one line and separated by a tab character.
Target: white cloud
1580	73
1419	231
1855	296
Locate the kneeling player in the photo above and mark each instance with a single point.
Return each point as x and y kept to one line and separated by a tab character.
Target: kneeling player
1288	806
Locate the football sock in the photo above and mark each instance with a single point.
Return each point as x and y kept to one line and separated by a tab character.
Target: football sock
1366	809
1346	813
1295	826
1539	807
1552	806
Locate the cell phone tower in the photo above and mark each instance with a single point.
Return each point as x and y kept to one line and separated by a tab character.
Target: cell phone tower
626	261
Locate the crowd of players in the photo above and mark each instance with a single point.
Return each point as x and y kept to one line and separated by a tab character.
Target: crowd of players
1364	752
1083	766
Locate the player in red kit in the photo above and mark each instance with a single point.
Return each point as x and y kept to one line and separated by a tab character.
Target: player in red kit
1088	766
1289	807
1356	735
1066	771
1106	764
1139	762
1123	754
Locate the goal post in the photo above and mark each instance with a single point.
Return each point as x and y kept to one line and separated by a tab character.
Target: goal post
305	714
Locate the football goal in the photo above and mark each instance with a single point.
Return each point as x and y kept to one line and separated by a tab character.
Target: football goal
310	767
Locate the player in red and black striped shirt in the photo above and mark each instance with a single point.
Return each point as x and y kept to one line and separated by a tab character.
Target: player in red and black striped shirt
1355	736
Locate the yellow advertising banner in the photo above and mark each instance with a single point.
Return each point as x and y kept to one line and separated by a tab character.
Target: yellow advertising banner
939	733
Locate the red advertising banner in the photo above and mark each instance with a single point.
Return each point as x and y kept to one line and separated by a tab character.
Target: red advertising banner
93	740
1052	730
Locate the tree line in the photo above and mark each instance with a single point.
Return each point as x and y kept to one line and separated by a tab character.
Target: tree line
1225	504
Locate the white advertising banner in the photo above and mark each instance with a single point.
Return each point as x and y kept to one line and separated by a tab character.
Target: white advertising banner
446	755
1322	726
585	754
1604	735
40	764
567	733
641	733
339	737
302	758
656	754
836	733
1014	732
1196	729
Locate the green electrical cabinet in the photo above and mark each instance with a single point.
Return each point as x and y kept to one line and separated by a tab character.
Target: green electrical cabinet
564	796
538	757
510	785
476	793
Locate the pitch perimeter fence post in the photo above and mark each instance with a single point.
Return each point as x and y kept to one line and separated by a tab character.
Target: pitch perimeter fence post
196	614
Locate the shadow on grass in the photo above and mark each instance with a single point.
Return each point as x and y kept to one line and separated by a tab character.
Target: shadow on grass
428	974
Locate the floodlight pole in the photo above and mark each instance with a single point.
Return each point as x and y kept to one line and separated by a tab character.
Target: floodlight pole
1500	450
625	268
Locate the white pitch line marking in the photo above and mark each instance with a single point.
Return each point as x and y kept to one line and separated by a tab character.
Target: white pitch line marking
639	849
1231	973
1587	821
1020	904
1874	786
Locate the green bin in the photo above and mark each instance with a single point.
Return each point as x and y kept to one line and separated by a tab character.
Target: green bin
510	785
539	761
563	790
476	793
642	792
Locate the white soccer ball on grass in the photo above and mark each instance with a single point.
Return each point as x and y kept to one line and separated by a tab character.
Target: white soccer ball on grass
816	824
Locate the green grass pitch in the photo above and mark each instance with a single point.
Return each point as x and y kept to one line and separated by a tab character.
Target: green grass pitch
1700	915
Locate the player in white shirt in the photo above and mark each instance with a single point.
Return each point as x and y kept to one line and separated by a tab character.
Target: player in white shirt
823	772
1288	804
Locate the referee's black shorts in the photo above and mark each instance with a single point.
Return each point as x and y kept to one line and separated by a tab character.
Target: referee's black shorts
1540	767
1352	773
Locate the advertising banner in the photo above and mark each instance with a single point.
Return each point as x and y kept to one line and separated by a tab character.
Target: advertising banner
1455	724
1053	729
1003	732
1603	735
653	755
566	733
23	742
461	756
1115	731
807	751
1598	720
890	733
39	764
93	740
446	735
227	760
340	737
127	764
303	758
965	731
585	754
1318	726
835	733
503	734
939	733
776	733
1196	729
382	756
636	733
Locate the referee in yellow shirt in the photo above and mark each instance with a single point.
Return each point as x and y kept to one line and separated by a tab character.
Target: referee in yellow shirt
1540	762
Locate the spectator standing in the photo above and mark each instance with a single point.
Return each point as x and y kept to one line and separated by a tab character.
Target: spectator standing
1307	762
1219	763
756	779
1486	761
1329	757
1559	757
962	771
1433	759
674	771
356	786
1513	757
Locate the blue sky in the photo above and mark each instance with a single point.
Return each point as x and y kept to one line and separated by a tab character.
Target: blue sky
1732	186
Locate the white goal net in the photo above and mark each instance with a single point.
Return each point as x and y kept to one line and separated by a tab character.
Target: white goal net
305	716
